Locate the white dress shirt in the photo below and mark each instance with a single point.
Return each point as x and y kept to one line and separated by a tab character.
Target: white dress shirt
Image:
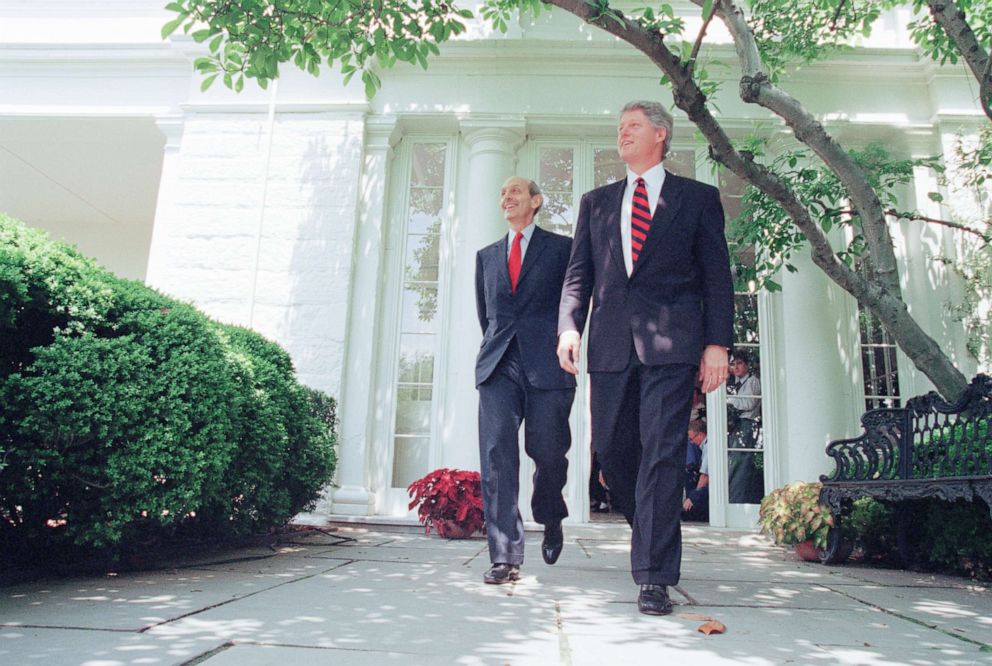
654	178
527	231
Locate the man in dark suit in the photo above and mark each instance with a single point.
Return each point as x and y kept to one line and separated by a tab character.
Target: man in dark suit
518	282
650	254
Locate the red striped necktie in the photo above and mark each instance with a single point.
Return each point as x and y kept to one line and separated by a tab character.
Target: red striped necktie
640	219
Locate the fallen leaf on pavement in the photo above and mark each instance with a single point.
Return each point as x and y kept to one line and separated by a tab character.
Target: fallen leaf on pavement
712	627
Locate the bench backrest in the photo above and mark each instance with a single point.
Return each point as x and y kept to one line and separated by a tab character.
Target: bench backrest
927	439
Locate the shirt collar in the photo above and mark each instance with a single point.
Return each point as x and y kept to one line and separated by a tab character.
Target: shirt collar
527	231
654	177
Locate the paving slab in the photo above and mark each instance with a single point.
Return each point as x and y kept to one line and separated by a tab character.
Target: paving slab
387	606
272	655
20	646
384	554
135	601
770	636
870	574
765	595
963	612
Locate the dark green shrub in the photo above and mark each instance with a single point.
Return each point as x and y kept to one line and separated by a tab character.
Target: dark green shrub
954	536
872	525
943	536
128	417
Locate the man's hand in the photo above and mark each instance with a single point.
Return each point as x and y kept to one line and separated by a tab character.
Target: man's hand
687	504
569	344
713	367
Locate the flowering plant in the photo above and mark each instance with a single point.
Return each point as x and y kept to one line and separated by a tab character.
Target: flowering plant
450	500
793	514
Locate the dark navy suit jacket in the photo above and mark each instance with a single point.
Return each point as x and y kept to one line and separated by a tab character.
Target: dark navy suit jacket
531	314
679	296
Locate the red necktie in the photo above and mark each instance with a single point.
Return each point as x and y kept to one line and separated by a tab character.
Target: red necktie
514	262
640	219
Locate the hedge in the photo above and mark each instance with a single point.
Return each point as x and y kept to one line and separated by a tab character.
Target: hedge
128	417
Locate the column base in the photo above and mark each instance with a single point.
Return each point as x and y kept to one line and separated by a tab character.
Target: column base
353	501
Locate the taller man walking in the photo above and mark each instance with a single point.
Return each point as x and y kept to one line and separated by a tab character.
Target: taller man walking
650	254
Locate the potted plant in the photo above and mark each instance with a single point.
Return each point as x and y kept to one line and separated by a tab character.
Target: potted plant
450	501
793	515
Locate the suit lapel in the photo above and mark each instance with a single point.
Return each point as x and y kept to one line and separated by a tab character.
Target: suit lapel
534	248
612	203
502	268
664	214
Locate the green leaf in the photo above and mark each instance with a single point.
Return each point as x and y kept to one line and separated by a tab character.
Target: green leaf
707	8
201	36
171	26
215	42
207	82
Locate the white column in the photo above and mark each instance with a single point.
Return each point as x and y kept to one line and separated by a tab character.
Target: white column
355	496
492	145
820	370
172	127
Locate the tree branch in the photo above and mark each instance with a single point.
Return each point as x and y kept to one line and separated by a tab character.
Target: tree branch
892	212
949	16
757	88
933	220
699	41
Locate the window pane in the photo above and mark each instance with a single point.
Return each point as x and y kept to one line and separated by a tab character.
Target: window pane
556	214
555	178
422	257
413	414
425	210
410	459
607	167
745	318
682	163
556	170
416	359
419	308
428	165
731	193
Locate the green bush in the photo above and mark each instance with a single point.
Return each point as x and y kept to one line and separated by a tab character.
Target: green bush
943	536
129	417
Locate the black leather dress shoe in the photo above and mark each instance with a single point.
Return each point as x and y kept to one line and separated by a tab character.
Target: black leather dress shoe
653	600
501	573
554	541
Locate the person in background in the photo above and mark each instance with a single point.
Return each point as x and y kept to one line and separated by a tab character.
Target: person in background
696	505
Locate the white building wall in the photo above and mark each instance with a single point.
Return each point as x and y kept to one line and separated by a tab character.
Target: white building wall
259	229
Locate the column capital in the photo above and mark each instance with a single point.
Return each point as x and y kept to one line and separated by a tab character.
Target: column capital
172	127
503	134
382	133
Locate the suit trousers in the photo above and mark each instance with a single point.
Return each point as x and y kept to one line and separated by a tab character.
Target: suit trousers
640	419
506	400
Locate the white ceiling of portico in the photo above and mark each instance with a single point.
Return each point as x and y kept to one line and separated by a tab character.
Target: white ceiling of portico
90	181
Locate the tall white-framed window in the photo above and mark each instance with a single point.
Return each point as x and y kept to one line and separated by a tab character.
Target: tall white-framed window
417	336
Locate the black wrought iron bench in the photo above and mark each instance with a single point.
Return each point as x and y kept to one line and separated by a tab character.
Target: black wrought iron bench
928	448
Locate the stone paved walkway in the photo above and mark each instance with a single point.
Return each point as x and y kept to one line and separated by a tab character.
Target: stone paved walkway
372	594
